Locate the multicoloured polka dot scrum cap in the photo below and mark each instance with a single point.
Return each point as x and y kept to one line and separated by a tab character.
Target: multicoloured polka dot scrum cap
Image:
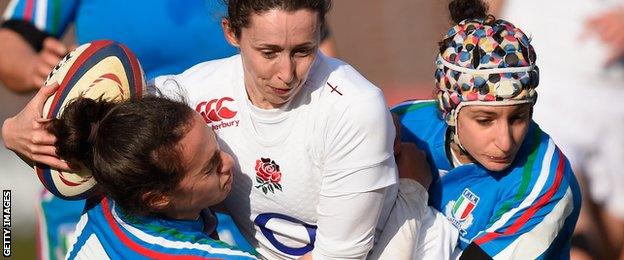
484	62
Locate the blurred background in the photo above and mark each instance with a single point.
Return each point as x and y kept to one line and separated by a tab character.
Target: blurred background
393	43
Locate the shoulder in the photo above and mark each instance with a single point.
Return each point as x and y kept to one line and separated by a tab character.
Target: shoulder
206	77
340	94
411	108
214	69
338	82
163	238
419	119
210	69
543	187
541	168
546	159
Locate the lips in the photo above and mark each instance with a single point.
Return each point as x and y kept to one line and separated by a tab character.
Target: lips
280	91
500	159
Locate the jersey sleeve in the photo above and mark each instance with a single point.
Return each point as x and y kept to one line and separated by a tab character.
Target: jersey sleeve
358	167
358	147
346	225
536	222
51	17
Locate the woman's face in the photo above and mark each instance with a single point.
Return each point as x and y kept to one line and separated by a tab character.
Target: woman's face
492	135
278	49
208	177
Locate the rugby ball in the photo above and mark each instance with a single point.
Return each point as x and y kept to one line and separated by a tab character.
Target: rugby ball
104	69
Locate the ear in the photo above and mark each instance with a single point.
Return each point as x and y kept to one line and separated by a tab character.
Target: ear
229	34
156	201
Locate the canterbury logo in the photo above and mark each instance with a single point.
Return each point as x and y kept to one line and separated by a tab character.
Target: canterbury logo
215	110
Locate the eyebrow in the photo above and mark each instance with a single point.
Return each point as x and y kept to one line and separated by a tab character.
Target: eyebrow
483	113
277	47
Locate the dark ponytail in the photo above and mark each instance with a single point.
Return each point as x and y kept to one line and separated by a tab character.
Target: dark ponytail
74	129
467	9
130	147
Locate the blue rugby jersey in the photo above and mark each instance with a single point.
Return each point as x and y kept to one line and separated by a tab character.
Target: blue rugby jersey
167	36
105	232
527	211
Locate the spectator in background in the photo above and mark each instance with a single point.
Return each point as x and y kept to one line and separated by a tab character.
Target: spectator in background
583	74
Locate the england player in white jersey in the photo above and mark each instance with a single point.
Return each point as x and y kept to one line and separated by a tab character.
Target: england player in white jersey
311	169
312	138
312	142
314	171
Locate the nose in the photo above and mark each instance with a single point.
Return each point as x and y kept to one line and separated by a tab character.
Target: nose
504	139
286	69
227	162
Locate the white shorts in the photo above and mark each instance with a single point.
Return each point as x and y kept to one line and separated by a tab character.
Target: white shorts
413	229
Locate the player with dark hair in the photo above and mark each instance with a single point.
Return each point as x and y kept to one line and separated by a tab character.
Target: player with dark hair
498	177
159	169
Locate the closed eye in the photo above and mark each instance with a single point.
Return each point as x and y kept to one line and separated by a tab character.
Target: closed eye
214	164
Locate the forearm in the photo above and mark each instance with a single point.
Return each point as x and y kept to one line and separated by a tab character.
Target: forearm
347	224
16	55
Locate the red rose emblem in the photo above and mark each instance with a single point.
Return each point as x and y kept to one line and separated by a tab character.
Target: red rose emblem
268	175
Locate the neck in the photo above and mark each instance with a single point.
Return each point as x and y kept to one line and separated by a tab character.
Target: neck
256	98
259	101
186	215
461	155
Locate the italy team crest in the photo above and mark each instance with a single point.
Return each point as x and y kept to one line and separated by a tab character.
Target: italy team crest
459	212
464	205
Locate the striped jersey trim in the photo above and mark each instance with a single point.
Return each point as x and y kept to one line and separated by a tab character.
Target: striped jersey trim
80	227
10	10
45	15
41	9
55	22
27	14
526	176
117	224
534	207
539	185
164	231
535	242
411	105
132	244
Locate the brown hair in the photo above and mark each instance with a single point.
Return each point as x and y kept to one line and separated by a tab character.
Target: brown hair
239	11
467	9
131	147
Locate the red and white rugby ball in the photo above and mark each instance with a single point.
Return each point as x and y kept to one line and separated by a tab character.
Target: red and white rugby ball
100	68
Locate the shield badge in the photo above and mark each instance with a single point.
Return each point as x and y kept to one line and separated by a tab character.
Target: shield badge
464	205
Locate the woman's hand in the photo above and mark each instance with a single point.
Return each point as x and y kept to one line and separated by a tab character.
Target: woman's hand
25	133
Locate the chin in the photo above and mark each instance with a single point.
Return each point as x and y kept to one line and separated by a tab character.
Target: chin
496	167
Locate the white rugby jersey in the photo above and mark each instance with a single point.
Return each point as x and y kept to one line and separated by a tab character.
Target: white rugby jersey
318	181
